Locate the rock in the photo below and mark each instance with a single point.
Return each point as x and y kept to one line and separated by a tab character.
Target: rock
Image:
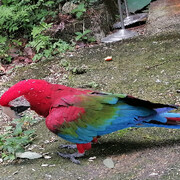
44	165
97	19
91	159
29	155
109	163
47	157
153	174
68	7
164	16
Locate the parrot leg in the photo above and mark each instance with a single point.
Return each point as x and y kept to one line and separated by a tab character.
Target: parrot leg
68	146
72	156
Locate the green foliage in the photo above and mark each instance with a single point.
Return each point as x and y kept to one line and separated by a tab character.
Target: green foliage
61	46
44	45
20	18
6	45
52	49
82	7
40	41
20	15
16	138
86	2
78	70
83	36
79	11
23	15
4	48
64	63
31	20
92	84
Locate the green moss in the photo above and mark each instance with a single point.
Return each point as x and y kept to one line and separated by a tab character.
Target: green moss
146	67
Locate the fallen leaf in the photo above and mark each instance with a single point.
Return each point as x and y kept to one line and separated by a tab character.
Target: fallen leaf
44	165
29	52
109	163
153	174
13	52
29	155
16	172
92	158
47	157
108	58
48	165
32	147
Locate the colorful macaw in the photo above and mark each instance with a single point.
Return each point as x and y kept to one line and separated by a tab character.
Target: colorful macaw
81	116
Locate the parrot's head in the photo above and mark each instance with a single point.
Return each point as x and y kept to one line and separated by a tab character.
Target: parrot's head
33	90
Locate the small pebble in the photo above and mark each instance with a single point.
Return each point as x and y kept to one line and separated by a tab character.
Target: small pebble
92	158
47	157
109	163
44	165
153	174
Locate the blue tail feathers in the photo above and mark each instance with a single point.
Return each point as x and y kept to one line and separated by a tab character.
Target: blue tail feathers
160	117
172	120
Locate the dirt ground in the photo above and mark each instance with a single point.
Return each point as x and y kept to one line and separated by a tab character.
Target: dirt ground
146	67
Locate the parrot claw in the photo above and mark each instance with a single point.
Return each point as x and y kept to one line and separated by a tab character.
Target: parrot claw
68	146
72	156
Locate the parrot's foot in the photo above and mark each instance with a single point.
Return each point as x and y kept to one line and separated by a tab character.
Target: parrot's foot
72	156
68	146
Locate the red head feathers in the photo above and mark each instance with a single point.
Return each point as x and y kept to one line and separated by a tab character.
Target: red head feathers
37	92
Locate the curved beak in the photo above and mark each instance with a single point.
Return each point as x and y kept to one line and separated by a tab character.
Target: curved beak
13	112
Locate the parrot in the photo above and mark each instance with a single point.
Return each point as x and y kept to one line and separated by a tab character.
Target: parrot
81	116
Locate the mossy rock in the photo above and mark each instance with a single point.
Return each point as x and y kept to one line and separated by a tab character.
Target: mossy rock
97	19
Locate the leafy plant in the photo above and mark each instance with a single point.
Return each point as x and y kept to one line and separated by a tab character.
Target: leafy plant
4	48
64	63
52	49
40	41
92	84
79	11
30	20
15	138
61	46
78	70
86	2
83	36
24	15
44	45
